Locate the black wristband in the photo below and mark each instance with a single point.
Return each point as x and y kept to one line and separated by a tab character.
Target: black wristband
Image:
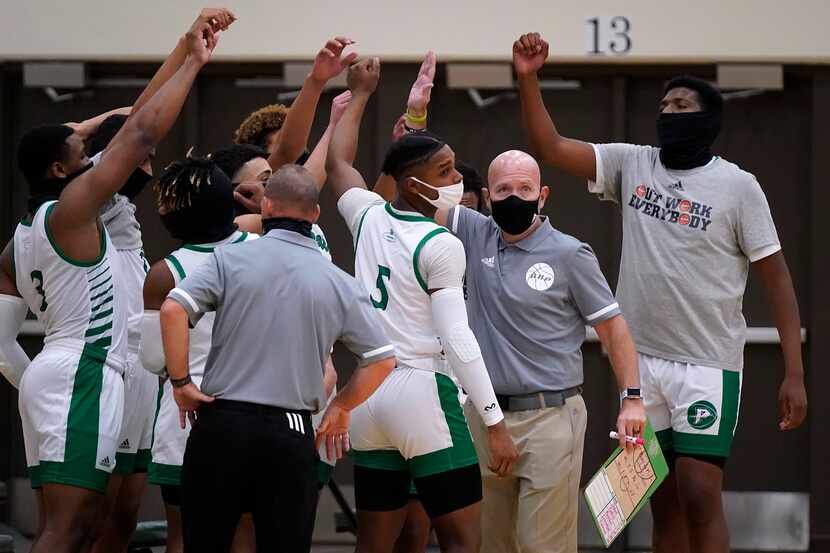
181	382
409	129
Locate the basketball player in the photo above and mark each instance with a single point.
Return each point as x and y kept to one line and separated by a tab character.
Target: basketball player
693	223
413	427
62	263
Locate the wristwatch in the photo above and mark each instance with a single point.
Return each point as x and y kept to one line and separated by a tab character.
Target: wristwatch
631	393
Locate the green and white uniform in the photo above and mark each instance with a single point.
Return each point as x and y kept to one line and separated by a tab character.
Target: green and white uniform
414	421
169	439
72	394
140	387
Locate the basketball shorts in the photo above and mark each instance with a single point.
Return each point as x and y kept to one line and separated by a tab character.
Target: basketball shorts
413	422
71	407
169	439
692	408
140	399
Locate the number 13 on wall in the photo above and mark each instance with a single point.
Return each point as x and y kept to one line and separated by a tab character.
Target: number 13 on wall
608	35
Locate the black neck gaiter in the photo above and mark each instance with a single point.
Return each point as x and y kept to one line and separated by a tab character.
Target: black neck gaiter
686	138
286	223
50	189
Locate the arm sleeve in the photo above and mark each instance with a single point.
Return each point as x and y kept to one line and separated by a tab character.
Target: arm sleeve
200	291
461	348
362	330
756	232
465	223
151	349
353	205
14	360
442	263
589	289
610	161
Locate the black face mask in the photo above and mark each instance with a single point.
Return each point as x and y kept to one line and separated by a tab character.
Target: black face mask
686	138
513	214
50	189
135	183
285	223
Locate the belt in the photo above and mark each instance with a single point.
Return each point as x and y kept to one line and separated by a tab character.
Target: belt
538	400
247	407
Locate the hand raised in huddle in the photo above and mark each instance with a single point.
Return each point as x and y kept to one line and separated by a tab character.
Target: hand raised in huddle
330	61
529	53
364	75
338	107
421	89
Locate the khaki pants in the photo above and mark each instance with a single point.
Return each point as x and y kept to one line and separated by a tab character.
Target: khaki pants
535	509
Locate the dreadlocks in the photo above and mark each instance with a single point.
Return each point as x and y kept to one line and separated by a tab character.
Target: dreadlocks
195	200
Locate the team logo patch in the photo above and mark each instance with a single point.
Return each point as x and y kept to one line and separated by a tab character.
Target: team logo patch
540	277
701	415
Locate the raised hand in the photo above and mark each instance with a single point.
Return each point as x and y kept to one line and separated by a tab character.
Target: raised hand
201	41
218	18
329	61
338	107
399	129
421	89
363	76
529	53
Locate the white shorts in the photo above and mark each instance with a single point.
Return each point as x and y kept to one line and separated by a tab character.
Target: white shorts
141	390
413	421
71	406
169	439
692	408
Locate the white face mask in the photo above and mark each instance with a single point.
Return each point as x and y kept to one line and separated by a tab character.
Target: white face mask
448	196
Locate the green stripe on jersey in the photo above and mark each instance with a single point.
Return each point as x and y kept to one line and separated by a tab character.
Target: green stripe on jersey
404	217
64	256
98	330
109	278
176	265
102	294
101	315
416	255
209	249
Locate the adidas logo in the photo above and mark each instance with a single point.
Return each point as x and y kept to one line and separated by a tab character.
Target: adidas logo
105	462
489	261
676	186
125	444
390	236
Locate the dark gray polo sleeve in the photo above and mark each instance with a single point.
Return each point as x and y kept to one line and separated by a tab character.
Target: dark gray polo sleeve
362	331
589	289
466	223
200	291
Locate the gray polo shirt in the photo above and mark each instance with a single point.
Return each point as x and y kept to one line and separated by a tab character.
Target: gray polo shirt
280	306
529	302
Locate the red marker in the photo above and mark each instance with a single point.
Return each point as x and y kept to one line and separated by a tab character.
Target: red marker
630	439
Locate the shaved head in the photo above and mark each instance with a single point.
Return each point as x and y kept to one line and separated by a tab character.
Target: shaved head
291	192
514	165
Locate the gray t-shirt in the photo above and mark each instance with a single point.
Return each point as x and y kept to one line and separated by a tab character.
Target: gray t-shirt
280	306
688	239
528	302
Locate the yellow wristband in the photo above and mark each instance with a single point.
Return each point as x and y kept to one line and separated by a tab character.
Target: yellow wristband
416	119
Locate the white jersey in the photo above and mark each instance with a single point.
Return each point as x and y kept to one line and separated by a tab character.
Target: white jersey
183	262
81	302
399	257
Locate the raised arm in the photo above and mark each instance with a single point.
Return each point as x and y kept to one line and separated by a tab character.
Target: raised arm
218	18
363	80
316	162
87	128
157	285
573	156
83	198
13	360
792	396
293	138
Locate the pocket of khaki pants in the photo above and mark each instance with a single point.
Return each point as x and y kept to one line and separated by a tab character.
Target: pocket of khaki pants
550	447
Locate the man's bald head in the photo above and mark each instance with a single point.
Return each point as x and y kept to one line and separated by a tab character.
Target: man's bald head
514	165
291	192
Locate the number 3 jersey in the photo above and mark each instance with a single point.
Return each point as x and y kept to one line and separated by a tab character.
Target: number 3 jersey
399	256
79	303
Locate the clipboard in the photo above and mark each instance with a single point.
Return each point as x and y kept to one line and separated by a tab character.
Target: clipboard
623	484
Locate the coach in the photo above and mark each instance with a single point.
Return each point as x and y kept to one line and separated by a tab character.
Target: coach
531	291
280	306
